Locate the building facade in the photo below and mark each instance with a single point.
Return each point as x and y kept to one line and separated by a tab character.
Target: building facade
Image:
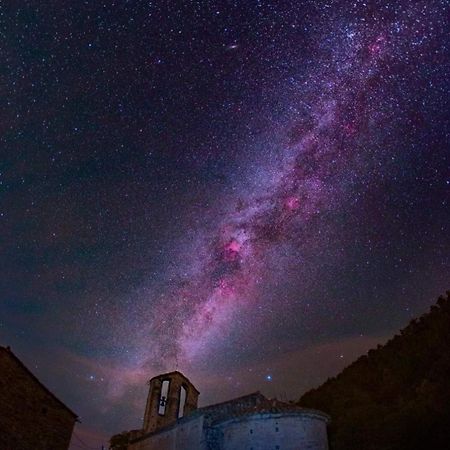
172	421
31	417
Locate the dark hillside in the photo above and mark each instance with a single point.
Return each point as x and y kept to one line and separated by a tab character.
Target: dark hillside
396	397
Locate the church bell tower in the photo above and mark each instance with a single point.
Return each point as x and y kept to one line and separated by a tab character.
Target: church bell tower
171	396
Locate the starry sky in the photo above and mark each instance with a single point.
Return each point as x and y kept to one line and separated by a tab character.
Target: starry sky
252	192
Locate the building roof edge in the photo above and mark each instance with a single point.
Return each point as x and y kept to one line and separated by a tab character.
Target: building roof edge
9	352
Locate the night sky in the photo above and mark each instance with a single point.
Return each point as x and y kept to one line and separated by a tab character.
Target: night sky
253	192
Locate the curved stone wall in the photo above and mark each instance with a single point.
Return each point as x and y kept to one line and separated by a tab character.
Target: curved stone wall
275	431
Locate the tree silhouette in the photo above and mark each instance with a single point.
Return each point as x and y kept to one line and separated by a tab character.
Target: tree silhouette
396	397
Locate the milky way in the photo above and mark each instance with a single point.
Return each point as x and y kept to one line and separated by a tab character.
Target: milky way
253	193
328	144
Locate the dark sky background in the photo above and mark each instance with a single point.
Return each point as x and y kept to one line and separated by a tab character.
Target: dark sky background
253	192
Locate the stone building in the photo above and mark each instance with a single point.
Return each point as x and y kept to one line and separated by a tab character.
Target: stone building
172	421
31	417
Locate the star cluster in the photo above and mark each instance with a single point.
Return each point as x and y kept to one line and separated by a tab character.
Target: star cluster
251	192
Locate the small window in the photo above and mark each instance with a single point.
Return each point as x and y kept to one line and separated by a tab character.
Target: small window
277	429
163	397
251	431
182	402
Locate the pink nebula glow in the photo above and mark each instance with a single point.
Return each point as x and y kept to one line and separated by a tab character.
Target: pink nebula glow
292	203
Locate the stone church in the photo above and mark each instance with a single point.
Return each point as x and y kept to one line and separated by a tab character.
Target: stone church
252	422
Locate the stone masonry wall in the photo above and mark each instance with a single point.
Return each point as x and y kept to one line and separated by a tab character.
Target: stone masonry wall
30	417
274	432
186	435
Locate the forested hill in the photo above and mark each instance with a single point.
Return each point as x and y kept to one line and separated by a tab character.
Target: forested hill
396	397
